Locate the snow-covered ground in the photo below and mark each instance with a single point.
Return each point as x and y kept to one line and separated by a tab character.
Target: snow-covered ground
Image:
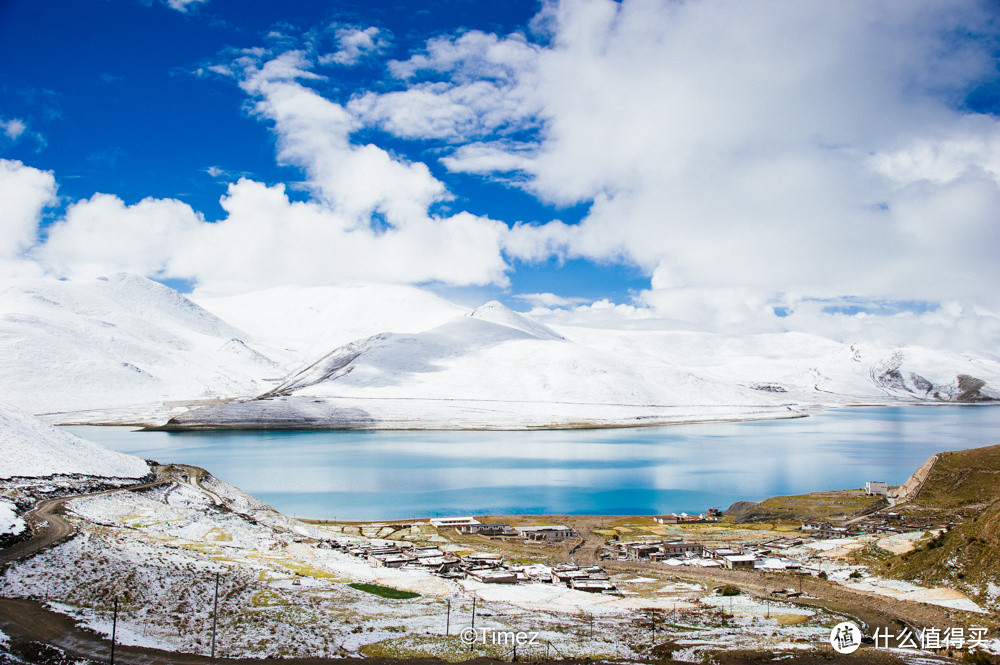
282	592
30	448
309	321
10	523
831	557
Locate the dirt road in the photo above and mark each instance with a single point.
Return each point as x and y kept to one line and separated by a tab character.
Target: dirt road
48	526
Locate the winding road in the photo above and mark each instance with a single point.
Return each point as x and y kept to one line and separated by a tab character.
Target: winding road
30	621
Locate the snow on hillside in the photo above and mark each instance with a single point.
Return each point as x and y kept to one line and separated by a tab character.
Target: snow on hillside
309	321
120	340
30	448
497	365
808	368
10	523
127	349
473	358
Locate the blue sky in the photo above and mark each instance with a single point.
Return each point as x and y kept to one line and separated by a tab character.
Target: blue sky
711	164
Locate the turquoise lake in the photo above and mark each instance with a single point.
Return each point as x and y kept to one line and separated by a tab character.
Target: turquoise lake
369	475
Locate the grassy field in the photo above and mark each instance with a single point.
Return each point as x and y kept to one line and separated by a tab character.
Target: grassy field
825	506
384	591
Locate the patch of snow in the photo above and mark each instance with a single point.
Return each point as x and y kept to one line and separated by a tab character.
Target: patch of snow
10	523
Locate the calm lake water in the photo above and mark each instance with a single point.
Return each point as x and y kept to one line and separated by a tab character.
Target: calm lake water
391	475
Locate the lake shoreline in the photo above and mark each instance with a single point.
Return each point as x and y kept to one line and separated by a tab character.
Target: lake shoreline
367	475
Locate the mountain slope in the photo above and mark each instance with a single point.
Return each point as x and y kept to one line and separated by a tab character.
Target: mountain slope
30	448
309	321
811	369
471	366
120	340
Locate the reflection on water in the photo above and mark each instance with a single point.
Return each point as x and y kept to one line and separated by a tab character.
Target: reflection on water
386	475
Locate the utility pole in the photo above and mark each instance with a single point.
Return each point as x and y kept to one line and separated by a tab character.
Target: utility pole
114	630
215	613
447	621
473	613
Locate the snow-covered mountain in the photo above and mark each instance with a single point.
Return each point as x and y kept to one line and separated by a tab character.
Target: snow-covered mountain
495	368
120	340
30	448
490	368
398	356
810	369
307	322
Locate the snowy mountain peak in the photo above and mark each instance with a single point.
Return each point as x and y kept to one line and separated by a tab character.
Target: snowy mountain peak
498	313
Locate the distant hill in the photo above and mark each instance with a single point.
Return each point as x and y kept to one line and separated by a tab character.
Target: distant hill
492	368
308	321
124	348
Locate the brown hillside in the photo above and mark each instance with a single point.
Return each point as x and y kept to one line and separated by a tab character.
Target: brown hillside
967	556
961	480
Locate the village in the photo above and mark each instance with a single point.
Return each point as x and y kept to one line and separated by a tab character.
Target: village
798	550
488	568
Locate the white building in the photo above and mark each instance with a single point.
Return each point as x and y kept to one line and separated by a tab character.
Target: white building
876	487
553	532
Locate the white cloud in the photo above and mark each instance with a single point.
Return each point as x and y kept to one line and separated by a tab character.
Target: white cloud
355	44
184	6
314	134
267	240
264	240
13	128
16	130
490	157
101	235
549	300
25	192
480	86
814	147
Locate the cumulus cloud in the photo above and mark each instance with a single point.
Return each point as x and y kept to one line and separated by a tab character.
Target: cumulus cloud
101	235
270	240
314	134
26	192
471	86
264	239
815	147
